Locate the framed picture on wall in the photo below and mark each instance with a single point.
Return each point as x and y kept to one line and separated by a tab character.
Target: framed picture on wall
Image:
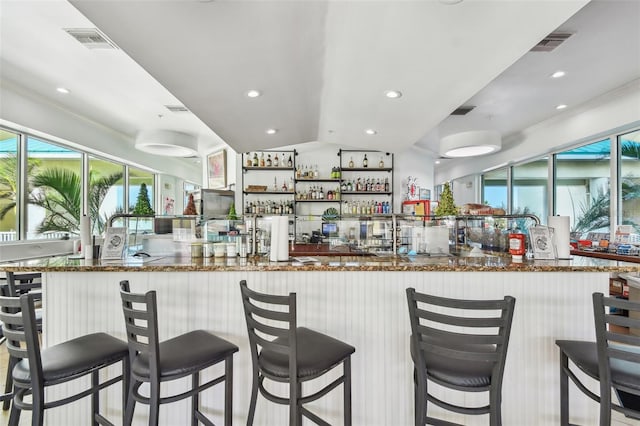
425	194
217	169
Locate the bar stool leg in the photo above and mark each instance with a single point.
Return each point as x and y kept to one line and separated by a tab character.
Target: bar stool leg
564	389
8	385
37	415
195	382
130	405
14	416
347	391
254	399
228	391
154	402
95	397
125	388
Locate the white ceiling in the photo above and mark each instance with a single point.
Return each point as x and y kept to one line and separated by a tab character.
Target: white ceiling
322	66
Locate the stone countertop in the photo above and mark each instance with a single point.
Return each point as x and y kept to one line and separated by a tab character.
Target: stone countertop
486	263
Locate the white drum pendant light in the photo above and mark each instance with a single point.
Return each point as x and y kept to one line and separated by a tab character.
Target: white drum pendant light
471	143
168	143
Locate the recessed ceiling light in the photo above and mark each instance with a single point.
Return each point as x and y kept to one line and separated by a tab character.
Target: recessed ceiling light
561	106
437	161
393	94
271	131
370	132
558	74
253	93
62	90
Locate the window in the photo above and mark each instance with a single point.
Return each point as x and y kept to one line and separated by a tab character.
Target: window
494	188
582	186
529	189
8	185
629	179
106	192
56	194
137	178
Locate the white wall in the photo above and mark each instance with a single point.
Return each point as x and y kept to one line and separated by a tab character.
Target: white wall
20	109
613	112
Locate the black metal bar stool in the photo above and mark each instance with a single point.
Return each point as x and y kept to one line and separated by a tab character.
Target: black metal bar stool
57	364
613	360
283	352
446	350
14	285
154	362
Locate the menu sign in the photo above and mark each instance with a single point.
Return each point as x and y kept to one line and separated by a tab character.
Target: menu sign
114	243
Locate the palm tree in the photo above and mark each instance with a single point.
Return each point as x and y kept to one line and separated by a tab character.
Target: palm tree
9	181
59	193
596	215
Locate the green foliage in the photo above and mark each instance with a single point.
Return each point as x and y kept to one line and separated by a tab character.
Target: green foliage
446	206
143	205
59	193
232	215
9	181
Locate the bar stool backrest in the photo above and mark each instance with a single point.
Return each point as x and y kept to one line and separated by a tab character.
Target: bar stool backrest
20	283
18	315
470	330
141	321
615	346
270	317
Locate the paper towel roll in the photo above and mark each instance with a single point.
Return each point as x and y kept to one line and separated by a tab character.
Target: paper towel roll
561	235
85	237
279	250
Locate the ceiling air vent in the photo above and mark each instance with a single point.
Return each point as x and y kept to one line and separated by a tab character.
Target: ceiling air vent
91	38
550	42
463	110
176	108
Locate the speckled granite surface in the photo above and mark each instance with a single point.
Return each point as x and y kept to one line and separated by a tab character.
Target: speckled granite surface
323	263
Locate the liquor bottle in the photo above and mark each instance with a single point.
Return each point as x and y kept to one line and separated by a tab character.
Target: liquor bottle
381	163
289	162
269	160
249	162
386	184
365	162
276	162
262	159
255	159
351	165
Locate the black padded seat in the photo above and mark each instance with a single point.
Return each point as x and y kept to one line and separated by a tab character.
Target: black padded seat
176	361
74	357
155	362
456	371
283	352
317	353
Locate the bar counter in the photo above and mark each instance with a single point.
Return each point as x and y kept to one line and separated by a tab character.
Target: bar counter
360	300
420	263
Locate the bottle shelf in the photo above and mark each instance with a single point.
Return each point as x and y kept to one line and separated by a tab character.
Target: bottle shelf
319	180
273	169
365	193
318	201
270	192
366	169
